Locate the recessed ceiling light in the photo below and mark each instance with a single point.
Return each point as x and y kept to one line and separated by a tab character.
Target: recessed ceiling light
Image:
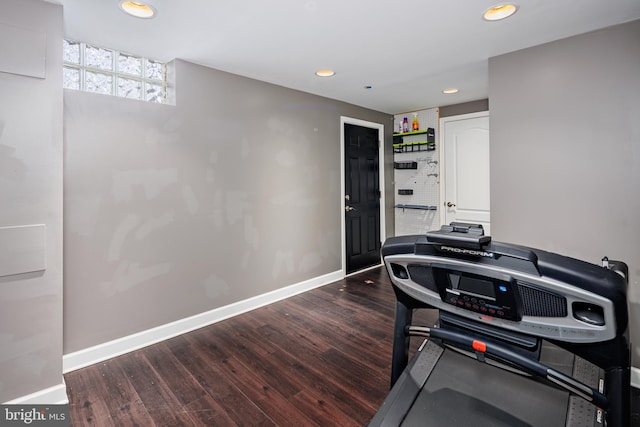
451	90
137	9
500	11
325	73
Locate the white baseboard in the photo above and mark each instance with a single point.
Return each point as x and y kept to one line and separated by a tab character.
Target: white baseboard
56	395
373	267
635	377
117	347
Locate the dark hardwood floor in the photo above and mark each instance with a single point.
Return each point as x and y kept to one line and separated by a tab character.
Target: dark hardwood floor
319	358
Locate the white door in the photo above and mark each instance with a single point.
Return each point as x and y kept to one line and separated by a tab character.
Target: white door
465	161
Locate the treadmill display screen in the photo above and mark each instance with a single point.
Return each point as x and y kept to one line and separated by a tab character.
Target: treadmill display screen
472	285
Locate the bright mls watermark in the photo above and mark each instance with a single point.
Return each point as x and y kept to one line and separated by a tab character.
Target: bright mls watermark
34	415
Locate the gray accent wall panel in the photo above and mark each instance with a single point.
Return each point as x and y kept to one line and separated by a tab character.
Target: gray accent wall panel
23	51
174	210
464	108
22	249
565	150
31	201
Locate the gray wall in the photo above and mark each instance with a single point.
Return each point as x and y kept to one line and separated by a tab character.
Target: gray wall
464	108
30	194
565	150
171	211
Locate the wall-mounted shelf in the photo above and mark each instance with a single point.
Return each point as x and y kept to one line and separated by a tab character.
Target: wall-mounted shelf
415	132
405	147
421	207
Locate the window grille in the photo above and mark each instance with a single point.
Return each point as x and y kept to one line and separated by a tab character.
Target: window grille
95	69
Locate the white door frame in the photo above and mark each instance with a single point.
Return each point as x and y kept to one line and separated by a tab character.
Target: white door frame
380	127
441	160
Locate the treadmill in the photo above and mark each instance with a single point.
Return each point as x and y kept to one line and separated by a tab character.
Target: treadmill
525	337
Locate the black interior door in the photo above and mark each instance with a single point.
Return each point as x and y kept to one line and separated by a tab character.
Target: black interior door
362	197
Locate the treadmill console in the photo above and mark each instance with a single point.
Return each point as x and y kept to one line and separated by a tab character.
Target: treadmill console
511	287
494	296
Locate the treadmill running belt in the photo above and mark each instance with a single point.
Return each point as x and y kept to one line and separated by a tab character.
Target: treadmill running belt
460	392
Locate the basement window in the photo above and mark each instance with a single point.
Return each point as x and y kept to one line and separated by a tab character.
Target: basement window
95	69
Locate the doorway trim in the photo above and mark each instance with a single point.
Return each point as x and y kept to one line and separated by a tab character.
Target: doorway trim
380	127
442	155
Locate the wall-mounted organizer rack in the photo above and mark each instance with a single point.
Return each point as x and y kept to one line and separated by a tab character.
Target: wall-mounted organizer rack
416	171
400	145
429	131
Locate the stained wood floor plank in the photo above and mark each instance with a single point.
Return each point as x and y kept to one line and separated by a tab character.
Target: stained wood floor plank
124	403
85	406
260	391
158	397
294	332
324	413
268	368
179	379
286	373
345	311
220	389
337	333
357	376
259	385
333	352
207	412
304	369
318	358
325	385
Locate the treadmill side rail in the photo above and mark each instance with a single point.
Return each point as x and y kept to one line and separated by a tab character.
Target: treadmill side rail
402	395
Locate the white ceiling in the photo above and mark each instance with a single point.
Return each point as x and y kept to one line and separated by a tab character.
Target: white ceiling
407	50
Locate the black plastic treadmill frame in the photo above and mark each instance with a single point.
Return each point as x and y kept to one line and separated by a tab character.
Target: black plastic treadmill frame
612	356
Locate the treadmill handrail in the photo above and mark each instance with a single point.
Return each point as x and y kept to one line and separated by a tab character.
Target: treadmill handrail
529	365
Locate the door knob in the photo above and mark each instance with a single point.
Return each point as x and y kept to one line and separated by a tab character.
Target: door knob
349	208
451	205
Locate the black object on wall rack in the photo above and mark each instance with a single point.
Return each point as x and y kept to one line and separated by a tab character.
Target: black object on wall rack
405	165
405	191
